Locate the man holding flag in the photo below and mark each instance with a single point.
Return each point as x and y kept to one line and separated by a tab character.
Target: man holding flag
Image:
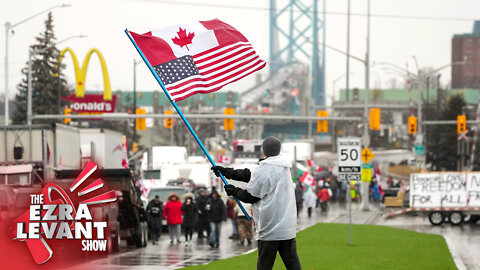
202	57
270	189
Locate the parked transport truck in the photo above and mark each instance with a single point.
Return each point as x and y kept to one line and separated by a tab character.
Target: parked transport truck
32	156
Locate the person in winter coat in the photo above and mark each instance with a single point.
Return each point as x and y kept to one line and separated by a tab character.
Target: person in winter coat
376	193
173	213
271	191
244	226
324	196
189	210
202	223
310	200
154	217
299	197
231	203
216	214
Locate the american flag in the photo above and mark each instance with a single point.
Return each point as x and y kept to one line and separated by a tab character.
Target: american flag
198	57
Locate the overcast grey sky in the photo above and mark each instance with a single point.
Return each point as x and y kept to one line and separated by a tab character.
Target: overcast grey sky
393	40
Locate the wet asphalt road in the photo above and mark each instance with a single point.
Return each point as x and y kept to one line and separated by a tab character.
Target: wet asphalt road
464	239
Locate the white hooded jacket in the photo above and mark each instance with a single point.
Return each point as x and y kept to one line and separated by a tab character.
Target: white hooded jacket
275	213
310	198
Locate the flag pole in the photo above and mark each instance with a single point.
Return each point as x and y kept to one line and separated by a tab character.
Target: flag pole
183	117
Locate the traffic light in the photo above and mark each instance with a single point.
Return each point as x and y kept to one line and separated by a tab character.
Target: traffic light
374	118
67	111
141	123
168	123
322	125
412	125
135	147
461	124
228	123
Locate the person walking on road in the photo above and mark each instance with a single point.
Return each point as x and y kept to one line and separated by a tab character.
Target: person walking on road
189	210
202	223
154	215
244	226
310	200
324	196
271	191
216	214
173	213
299	197
231	203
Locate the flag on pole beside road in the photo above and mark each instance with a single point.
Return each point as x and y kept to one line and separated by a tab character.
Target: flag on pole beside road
198	57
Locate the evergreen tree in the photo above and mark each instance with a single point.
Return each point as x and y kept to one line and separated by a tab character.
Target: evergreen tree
442	139
46	84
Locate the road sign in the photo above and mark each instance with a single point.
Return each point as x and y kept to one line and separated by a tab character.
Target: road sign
349	162
367	166
463	136
366	175
419	150
367	155
350	177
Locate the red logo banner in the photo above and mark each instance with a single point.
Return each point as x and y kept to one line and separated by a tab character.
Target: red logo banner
92	103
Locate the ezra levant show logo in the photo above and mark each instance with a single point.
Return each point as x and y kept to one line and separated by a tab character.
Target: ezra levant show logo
53	215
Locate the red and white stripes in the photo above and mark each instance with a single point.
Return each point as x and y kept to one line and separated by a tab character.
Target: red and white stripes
218	67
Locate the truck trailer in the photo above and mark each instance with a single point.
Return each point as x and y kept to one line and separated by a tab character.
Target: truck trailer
443	196
33	156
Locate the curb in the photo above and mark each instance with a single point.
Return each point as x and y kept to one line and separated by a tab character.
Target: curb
456	257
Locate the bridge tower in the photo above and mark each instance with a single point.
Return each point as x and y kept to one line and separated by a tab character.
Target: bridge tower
297	35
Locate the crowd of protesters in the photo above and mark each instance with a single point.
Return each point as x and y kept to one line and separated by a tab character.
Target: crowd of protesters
203	213
328	188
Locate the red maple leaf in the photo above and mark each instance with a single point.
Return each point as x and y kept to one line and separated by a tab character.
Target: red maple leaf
183	38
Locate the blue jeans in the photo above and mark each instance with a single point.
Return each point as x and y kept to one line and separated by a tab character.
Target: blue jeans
215	228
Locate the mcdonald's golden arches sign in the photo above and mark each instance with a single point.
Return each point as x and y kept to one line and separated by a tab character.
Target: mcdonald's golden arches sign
89	103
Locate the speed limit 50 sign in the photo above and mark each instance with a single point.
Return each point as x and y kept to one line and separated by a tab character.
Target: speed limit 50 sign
349	158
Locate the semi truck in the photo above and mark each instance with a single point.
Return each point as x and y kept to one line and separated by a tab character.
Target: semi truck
33	156
442	196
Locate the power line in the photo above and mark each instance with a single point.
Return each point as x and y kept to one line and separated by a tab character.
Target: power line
334	13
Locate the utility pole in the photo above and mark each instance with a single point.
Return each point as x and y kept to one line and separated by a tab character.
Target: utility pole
347	86
366	136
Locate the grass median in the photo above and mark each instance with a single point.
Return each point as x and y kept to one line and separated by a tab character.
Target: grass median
326	246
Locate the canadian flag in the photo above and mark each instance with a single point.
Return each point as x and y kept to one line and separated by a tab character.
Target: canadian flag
225	159
307	179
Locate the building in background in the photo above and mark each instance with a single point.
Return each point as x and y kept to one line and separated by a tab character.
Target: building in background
466	46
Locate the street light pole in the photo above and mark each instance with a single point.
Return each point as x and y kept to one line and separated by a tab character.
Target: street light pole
347	82
8	27
366	135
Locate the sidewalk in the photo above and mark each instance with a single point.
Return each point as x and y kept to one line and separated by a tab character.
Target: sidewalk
174	256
